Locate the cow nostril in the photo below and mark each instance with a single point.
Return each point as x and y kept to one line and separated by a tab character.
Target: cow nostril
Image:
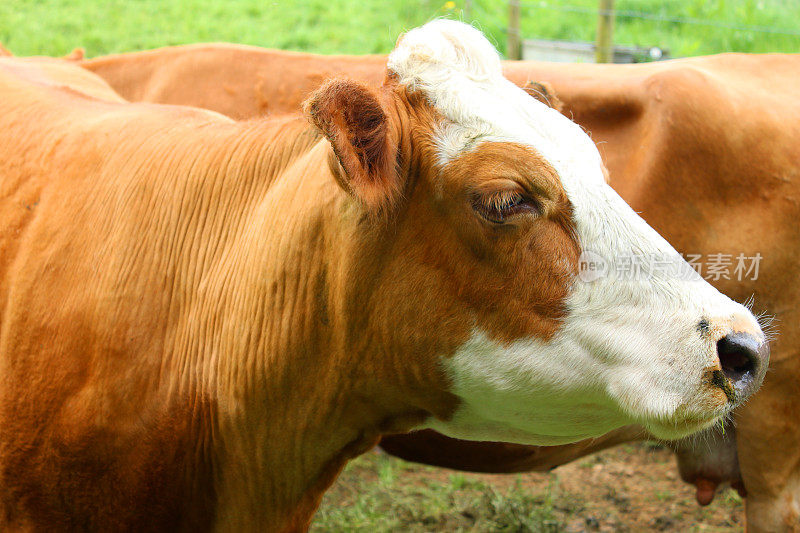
735	365
738	356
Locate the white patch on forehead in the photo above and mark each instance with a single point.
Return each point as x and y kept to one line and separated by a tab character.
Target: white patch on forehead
461	75
452	140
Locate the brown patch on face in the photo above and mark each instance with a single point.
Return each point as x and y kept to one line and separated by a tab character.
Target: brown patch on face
526	266
510	280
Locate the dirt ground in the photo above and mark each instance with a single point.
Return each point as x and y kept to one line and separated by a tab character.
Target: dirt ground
637	488
629	488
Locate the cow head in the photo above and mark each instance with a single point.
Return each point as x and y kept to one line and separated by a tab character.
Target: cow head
472	209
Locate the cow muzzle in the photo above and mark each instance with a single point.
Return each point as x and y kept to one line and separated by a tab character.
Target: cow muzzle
743	360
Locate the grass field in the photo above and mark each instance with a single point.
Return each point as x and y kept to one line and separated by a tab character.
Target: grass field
55	27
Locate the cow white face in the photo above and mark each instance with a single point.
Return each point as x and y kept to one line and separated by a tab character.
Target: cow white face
664	349
468	302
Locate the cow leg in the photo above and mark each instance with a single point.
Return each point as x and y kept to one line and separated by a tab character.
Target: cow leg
769	446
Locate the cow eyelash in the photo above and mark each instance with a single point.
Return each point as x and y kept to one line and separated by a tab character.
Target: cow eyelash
500	206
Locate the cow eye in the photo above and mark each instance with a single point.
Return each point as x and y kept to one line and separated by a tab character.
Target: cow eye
500	206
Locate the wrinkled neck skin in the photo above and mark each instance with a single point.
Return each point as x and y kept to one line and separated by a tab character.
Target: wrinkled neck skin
233	292
282	353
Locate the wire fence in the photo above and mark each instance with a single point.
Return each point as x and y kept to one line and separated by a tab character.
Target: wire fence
692	27
660	18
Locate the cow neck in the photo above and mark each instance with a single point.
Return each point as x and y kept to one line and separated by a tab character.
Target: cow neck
292	402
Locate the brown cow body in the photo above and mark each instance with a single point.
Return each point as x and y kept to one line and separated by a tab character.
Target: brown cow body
705	148
244	82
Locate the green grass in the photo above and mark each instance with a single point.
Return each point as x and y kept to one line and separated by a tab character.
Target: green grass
377	493
55	27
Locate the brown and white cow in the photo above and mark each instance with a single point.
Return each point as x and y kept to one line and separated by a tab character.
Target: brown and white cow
665	133
204	319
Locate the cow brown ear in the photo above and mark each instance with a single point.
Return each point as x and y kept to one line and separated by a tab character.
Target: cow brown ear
352	118
543	91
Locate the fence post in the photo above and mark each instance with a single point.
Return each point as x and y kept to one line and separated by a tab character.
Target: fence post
512	44
604	48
